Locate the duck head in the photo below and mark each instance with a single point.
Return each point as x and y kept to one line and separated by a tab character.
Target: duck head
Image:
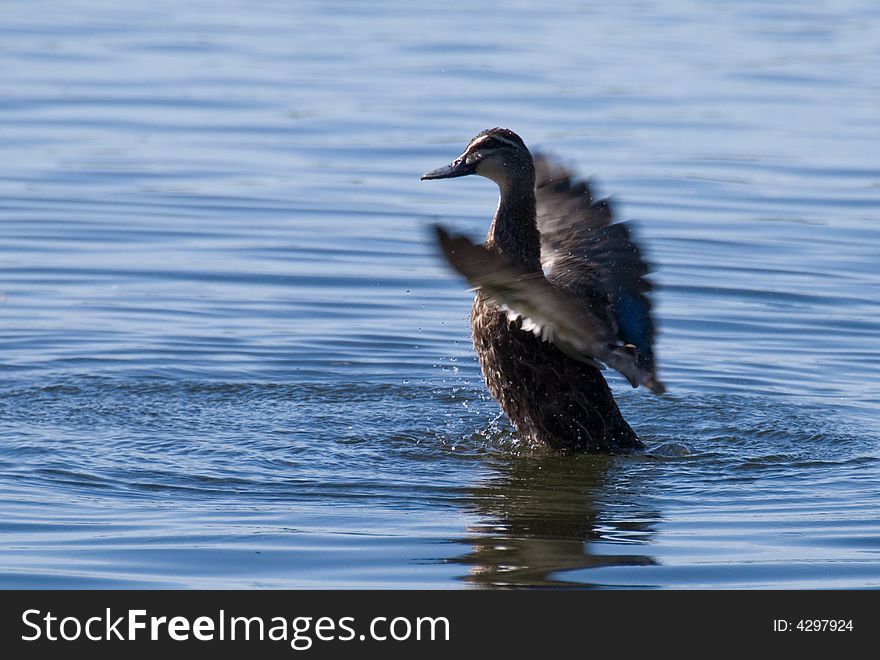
498	154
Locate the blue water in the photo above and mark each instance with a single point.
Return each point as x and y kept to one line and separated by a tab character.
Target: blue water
230	356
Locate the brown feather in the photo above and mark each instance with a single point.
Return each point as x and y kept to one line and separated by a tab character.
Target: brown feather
558	317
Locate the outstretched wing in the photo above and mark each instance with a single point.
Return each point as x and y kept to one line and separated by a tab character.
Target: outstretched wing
586	254
545	309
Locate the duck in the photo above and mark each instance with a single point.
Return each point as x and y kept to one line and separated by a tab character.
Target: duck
562	292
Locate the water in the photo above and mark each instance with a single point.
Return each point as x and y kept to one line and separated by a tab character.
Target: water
231	358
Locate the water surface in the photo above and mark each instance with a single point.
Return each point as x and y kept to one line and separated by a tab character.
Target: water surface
231	358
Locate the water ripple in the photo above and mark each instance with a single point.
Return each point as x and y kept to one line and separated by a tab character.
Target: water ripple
232	357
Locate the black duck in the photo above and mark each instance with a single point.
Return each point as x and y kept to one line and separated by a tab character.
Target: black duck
561	291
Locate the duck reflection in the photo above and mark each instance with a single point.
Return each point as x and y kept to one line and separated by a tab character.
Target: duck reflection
542	515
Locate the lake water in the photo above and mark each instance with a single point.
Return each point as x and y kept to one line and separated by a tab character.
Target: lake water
232	358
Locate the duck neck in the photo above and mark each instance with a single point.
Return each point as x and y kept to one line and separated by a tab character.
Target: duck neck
514	230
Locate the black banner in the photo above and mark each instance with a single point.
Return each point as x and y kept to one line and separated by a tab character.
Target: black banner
320	624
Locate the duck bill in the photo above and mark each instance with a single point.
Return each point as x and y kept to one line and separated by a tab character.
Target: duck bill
458	167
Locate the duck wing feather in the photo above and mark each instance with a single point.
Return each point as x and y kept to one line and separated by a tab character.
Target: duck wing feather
545	309
585	253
